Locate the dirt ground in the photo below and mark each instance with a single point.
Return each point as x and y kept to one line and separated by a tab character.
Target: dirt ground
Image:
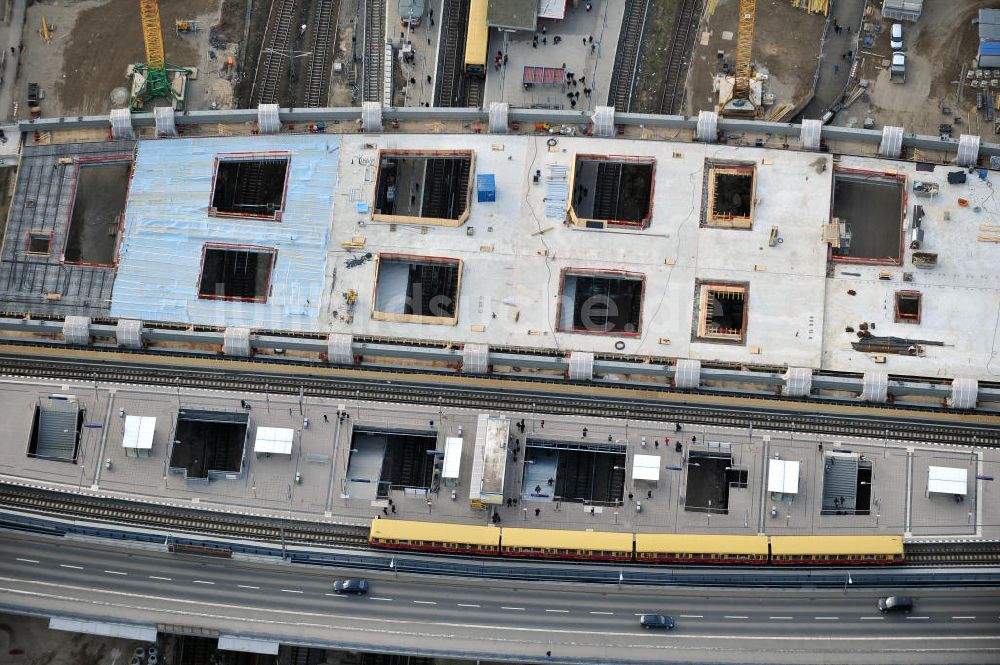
28	641
94	42
937	47
785	45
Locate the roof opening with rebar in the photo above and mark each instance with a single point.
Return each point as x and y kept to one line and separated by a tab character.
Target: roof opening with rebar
417	289
234	272
99	198
601	301
250	186
730	192
908	306
612	190
429	187
721	311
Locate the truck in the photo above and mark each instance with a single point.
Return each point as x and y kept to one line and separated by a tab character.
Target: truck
897	71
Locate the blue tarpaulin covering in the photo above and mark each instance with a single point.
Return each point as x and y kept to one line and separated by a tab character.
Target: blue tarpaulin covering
167	224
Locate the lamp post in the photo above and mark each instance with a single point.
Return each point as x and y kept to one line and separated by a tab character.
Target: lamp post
847	581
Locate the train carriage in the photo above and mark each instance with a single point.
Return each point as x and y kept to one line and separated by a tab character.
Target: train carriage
836	550
434	537
555	544
477	39
699	548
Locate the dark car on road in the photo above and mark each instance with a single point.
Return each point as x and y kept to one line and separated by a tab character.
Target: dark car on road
895	604
351	586
656	621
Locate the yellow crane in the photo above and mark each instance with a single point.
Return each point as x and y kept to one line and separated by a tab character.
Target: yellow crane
741	102
153	76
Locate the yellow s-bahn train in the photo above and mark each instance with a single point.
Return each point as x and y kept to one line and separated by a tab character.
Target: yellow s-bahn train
642	547
476	40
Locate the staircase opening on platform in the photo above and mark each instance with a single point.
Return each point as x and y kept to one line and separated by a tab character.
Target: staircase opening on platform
251	185
208	443
587	473
721	314
424	187
612	191
416	289
235	272
730	189
55	428
600	301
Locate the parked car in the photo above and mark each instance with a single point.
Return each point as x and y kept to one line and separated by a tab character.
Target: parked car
357	587
896	37
897	72
895	604
656	621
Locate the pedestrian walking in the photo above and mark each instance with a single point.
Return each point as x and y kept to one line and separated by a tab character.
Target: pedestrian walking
592	48
589	6
505	59
836	68
428	78
541	423
545	30
538	488
431	423
677	427
538	511
649	494
393	508
385	511
585	432
325	418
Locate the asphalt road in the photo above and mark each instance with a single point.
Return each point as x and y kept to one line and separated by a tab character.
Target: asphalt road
478	618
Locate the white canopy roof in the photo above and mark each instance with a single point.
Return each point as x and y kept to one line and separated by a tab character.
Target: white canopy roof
945	480
274	440
646	467
139	432
782	476
452	457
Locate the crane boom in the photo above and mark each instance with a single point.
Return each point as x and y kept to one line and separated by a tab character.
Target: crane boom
744	49
149	12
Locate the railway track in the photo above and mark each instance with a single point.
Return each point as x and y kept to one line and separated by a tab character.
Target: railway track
324	21
679	50
534	397
953	554
450	90
374	57
474	90
137	514
272	62
626	57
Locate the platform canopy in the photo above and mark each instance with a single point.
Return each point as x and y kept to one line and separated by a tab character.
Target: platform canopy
139	432
782	477
452	457
277	440
552	9
646	467
945	480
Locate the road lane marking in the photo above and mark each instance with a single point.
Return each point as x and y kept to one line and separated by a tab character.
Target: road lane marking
335	595
518	609
247	586
467	605
27	560
872	618
66	565
201	582
826	618
963	617
115	572
559	611
918	617
377	598
735	617
165	579
692	616
425	602
291	591
781	618
608	613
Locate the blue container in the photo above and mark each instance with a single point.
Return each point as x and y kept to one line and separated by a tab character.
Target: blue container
486	188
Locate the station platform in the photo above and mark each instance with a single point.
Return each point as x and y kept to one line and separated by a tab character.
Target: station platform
686	497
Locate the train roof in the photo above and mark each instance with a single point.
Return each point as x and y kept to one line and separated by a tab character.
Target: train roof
700	543
815	545
435	532
569	540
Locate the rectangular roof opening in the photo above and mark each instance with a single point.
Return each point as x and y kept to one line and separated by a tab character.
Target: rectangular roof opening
424	187
730	190
721	311
39	243
868	208
251	185
908	306
416	289
605	302
612	190
208	443
234	272
99	198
